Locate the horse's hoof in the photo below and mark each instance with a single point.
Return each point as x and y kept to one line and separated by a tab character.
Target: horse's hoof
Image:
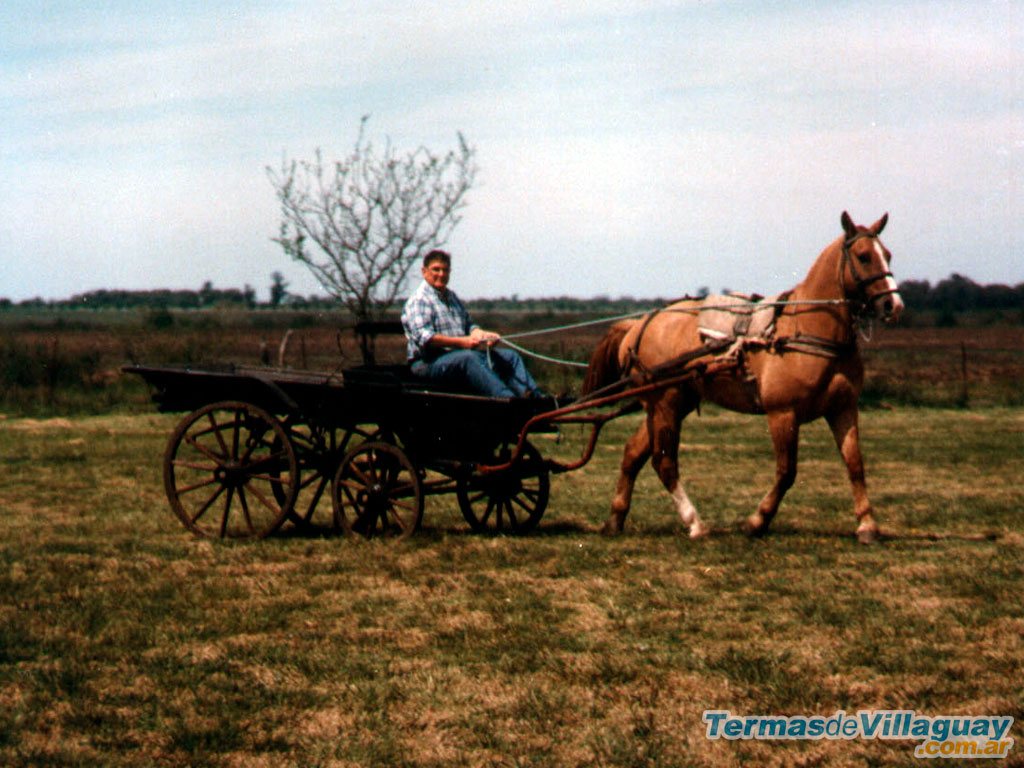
867	535
611	528
755	526
698	530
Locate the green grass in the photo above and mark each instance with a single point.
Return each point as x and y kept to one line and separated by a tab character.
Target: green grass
124	641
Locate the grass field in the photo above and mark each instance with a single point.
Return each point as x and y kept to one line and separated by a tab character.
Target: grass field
124	641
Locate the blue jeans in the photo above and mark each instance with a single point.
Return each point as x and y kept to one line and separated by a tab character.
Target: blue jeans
469	368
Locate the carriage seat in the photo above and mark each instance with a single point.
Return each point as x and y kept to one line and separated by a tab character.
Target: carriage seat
397	377
385	375
370	372
400	376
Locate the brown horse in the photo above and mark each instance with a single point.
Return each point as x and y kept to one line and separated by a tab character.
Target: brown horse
808	368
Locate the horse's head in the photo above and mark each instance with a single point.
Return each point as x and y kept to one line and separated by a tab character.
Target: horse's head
864	271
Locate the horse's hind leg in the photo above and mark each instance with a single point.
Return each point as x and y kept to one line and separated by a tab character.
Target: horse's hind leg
665	422
847	437
634	456
785	434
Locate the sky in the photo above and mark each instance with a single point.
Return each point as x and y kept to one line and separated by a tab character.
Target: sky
648	148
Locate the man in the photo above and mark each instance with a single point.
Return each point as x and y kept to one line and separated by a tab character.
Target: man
446	348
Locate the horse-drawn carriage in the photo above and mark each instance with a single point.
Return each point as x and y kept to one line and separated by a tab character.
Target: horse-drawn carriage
260	445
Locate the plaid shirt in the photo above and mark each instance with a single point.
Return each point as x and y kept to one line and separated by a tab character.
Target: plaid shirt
427	314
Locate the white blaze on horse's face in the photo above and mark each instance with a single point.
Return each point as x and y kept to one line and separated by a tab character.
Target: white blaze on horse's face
869	277
891	305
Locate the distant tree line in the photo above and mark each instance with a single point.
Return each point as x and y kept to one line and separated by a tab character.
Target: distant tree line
953	295
207	297
163	298
960	294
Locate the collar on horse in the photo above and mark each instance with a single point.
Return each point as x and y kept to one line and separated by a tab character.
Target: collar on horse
820	346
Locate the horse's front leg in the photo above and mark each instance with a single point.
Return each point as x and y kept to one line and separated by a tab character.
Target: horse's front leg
847	437
635	454
785	434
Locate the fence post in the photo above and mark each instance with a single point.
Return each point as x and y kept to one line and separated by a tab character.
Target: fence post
282	350
964	393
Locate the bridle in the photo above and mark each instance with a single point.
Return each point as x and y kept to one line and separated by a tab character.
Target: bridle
861	283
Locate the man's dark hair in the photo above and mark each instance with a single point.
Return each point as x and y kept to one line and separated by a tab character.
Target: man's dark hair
437	255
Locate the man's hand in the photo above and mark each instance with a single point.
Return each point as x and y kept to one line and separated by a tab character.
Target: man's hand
480	338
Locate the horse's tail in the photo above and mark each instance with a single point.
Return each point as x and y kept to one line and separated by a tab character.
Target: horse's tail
604	368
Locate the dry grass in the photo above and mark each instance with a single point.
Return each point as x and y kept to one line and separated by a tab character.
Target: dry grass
125	641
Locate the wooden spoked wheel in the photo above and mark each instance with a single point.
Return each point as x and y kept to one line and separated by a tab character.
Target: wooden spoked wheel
377	492
512	501
230	471
319	451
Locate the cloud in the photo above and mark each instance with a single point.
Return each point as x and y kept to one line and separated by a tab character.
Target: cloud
694	139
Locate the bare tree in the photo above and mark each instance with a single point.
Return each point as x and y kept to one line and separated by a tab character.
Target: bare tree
370	216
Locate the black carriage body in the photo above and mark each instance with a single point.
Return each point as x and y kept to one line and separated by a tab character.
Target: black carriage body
435	428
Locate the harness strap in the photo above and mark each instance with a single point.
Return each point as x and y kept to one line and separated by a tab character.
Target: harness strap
680	361
633	356
664	370
808	344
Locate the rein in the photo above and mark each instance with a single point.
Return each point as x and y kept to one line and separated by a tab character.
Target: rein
808	344
648	314
814	345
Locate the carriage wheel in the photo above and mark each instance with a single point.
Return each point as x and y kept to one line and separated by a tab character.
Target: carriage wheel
377	492
230	471
319	451
512	501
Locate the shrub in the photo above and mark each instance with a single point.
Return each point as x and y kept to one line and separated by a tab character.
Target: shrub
159	319
46	375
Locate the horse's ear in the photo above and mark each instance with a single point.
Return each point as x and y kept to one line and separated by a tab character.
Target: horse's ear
848	226
879	225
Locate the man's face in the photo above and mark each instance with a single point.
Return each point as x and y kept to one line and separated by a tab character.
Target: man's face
436	273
